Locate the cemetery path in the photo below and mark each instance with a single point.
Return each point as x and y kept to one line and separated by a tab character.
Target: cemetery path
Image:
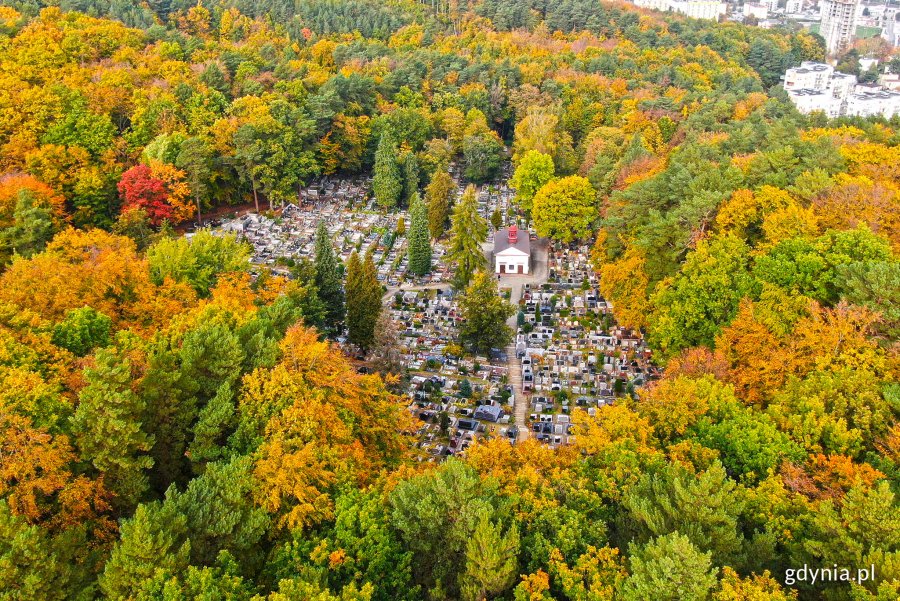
520	408
516	284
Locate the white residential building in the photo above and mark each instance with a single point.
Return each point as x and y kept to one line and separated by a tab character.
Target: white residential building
760	11
818	87
793	7
698	9
809	75
890	28
871	101
653	4
811	101
838	25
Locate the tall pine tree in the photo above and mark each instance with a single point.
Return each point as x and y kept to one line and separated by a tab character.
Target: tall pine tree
107	426
438	195
419	242
363	300
151	543
468	232
491	565
328	280
387	181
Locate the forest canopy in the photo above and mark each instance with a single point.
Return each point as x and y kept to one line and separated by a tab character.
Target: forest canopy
174	427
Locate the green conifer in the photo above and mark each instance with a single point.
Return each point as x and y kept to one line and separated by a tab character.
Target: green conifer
468	232
419	249
387	181
328	279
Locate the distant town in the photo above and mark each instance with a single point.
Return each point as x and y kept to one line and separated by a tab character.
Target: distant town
854	84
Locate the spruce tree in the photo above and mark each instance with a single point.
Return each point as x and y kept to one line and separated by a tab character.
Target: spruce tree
363	300
387	182
353	289
438	195
410	177
468	232
328	279
419	244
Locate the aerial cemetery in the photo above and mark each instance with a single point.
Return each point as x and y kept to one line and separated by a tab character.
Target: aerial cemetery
566	350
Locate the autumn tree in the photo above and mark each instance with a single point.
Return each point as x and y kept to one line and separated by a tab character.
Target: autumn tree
533	171
625	283
333	426
438	196
138	188
758	586
79	268
386	355
564	209
540	130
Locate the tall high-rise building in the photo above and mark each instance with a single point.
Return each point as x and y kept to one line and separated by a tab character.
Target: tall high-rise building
838	24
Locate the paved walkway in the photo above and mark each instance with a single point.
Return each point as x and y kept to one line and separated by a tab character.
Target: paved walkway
516	284
520	404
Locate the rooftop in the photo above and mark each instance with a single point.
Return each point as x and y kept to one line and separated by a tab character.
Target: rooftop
518	240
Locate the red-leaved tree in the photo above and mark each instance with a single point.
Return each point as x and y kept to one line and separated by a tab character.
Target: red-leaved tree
138	188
